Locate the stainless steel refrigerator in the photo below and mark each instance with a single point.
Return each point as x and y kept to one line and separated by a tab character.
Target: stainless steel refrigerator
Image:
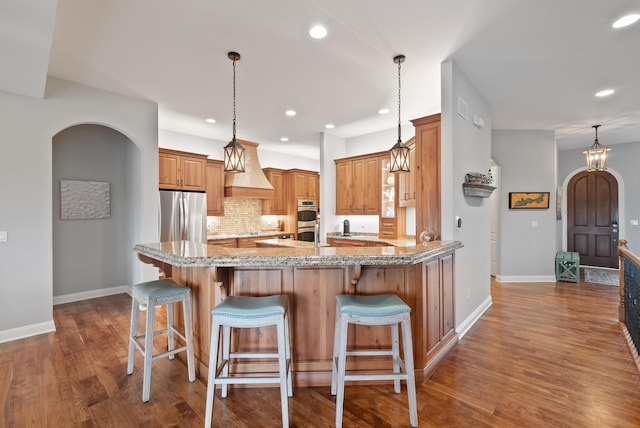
183	216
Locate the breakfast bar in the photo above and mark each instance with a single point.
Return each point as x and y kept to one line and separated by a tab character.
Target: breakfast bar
422	275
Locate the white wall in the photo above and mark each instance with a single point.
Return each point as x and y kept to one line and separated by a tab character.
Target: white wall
27	126
527	161
466	148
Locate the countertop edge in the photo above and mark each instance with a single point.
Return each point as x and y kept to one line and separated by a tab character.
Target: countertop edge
267	258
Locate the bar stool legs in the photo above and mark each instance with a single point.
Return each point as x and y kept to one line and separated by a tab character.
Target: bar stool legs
249	312
152	294
385	309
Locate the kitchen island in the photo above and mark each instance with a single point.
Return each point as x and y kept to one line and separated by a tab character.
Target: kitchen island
421	275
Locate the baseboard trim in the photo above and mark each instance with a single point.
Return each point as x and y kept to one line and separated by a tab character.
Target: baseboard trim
464	327
85	295
525	278
27	331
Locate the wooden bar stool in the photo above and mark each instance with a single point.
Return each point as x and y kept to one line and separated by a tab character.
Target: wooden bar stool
249	312
152	294
381	309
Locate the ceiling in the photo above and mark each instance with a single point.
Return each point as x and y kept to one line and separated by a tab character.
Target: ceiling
538	63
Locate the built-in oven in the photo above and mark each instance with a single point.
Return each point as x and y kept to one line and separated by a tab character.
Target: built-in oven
307	219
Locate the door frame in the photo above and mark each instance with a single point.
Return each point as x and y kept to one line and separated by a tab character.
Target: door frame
621	212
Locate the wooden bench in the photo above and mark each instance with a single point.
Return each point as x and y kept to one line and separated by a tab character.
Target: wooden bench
567	266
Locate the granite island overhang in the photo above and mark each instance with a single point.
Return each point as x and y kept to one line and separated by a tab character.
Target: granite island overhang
422	275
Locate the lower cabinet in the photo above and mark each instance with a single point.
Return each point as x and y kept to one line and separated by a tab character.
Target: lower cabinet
229	243
426	287
338	242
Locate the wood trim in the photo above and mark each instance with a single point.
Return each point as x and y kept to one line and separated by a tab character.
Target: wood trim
180	153
426	120
249	192
364	156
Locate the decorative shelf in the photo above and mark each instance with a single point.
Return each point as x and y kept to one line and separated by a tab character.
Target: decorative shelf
478	190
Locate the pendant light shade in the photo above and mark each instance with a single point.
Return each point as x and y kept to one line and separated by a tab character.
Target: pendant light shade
596	154
234	152
399	151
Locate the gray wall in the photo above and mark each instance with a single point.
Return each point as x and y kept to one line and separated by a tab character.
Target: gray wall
466	148
527	161
623	163
91	254
27	127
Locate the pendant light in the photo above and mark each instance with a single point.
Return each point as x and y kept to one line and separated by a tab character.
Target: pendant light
596	154
234	152
399	151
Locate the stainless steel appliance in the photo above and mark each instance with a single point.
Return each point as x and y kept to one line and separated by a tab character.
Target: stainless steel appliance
307	219
183	216
346	228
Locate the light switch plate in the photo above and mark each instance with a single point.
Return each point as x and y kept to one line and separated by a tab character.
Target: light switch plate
3	236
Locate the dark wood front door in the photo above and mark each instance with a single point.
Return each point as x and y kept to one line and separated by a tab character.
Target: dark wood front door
592	218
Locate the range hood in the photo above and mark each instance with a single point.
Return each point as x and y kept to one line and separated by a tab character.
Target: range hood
252	183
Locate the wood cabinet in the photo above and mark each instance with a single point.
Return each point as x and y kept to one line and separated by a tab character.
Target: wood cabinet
277	205
427	173
228	242
407	180
215	187
181	170
250	241
304	184
358	185
350	242
439	309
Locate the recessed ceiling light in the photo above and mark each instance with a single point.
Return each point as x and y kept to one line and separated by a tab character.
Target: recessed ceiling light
210	120
318	32
383	111
290	112
605	93
284	139
329	126
626	20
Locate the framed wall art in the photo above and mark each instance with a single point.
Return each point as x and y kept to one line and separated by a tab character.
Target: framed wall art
528	200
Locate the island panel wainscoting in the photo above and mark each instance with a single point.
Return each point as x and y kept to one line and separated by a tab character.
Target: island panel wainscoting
421	275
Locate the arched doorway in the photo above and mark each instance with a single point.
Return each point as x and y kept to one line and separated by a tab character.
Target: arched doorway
592	218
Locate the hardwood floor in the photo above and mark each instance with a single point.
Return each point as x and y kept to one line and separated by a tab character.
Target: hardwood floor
545	354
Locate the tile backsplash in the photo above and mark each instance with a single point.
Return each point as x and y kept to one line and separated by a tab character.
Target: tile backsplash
241	215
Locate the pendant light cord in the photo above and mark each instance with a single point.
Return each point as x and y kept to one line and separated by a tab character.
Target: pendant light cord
234	100
399	86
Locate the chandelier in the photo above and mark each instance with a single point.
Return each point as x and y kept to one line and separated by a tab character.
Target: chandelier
234	152
596	154
399	151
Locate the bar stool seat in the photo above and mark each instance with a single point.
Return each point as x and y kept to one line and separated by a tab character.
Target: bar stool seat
381	309
249	312
151	294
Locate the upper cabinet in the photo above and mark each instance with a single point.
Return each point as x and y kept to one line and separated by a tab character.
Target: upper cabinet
304	184
277	205
215	187
407	180
181	170
427	173
358	185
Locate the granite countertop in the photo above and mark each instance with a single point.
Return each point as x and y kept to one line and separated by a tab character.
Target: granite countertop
408	242
192	254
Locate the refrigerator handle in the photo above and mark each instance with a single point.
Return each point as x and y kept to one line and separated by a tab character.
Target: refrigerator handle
183	217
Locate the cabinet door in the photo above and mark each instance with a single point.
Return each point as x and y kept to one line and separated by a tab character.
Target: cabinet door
372	186
358	198
277	205
215	188
407	182
192	173
433	316
344	187
446	269
168	167
313	186
301	187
